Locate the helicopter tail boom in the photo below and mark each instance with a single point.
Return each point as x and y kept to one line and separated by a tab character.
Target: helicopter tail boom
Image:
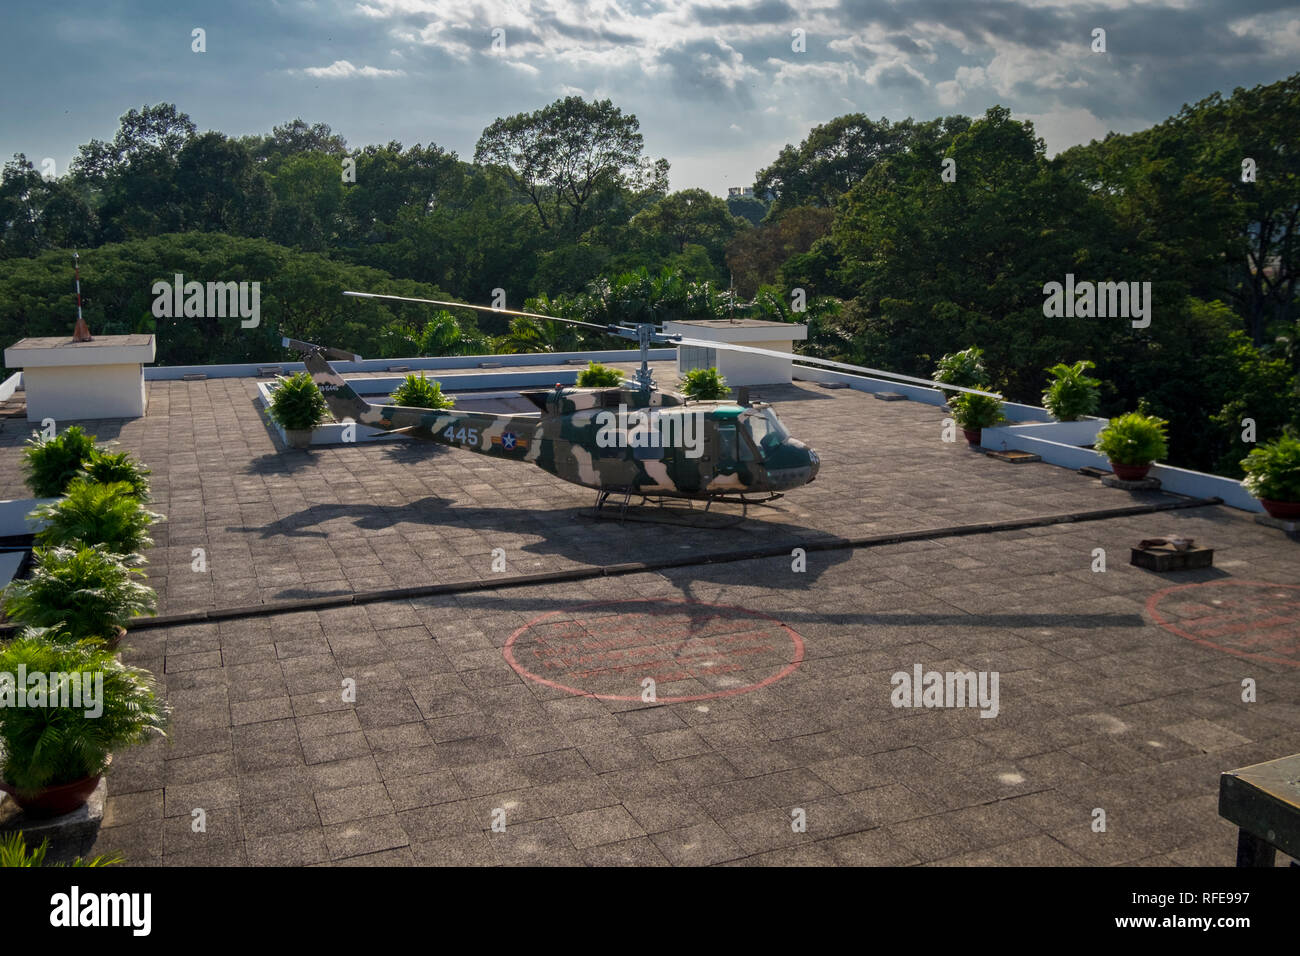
342	399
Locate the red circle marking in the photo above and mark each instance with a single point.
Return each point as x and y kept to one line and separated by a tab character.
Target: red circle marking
795	640
1254	617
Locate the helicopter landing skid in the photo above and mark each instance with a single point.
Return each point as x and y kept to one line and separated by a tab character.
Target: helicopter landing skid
615	505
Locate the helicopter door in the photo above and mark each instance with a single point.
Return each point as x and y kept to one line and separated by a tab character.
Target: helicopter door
726	451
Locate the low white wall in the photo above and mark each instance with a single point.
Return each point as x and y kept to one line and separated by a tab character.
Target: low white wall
10	385
249	370
916	393
13	516
1056	442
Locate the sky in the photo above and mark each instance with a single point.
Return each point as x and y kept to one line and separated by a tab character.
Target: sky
719	87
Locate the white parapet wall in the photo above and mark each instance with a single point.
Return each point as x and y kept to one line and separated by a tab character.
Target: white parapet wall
1031	429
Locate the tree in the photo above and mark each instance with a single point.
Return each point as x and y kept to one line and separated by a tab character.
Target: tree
691	216
562	154
755	255
836	155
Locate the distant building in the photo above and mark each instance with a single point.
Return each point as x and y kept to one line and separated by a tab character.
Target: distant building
740	192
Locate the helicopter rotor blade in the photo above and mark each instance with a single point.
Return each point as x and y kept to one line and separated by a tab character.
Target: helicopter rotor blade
727	346
610	329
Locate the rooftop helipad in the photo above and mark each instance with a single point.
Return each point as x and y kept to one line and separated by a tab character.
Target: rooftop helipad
505	700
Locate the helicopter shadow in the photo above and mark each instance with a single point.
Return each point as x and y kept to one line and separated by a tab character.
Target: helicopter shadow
571	534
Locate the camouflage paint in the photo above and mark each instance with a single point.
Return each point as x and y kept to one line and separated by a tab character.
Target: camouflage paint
561	438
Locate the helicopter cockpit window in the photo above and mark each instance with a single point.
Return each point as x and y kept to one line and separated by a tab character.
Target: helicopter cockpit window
776	432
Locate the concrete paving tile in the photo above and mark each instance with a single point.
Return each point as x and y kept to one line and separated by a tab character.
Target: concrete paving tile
360	837
701	845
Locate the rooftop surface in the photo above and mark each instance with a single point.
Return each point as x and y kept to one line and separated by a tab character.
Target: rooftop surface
1119	690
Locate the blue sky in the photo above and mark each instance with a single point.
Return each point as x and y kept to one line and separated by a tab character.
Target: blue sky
717	86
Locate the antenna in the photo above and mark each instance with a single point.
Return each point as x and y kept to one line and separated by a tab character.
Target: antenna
81	331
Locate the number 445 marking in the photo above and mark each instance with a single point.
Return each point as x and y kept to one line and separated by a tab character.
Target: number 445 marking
466	436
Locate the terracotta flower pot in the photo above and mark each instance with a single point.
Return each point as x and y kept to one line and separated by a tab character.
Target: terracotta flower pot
298	437
1130	472
1282	510
972	435
54	801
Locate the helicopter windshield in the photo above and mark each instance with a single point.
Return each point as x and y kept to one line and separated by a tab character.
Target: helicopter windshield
766	430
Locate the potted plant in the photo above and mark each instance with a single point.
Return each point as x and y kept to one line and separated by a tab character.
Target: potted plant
1273	476
297	406
705	385
596	375
91	513
964	368
51	463
1071	394
88	590
974	413
1131	443
416	391
55	748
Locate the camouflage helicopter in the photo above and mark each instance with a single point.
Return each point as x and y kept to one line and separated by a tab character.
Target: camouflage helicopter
632	440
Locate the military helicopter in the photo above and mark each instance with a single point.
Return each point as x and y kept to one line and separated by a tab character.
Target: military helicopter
632	440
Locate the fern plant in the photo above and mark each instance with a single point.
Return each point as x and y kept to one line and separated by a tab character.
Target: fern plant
15	852
91	513
107	467
51	463
296	403
964	368
417	391
89	590
704	384
1071	394
1273	470
596	375
45	746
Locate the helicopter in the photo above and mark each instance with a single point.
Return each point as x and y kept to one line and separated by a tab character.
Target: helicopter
625	441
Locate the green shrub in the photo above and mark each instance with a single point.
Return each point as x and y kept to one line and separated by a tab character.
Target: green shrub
704	384
975	411
1273	470
107	467
88	590
296	403
91	513
1133	439
416	391
965	368
1071	394
14	852
52	745
596	375
52	463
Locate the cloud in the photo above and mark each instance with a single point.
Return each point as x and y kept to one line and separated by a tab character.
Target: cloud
343	69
